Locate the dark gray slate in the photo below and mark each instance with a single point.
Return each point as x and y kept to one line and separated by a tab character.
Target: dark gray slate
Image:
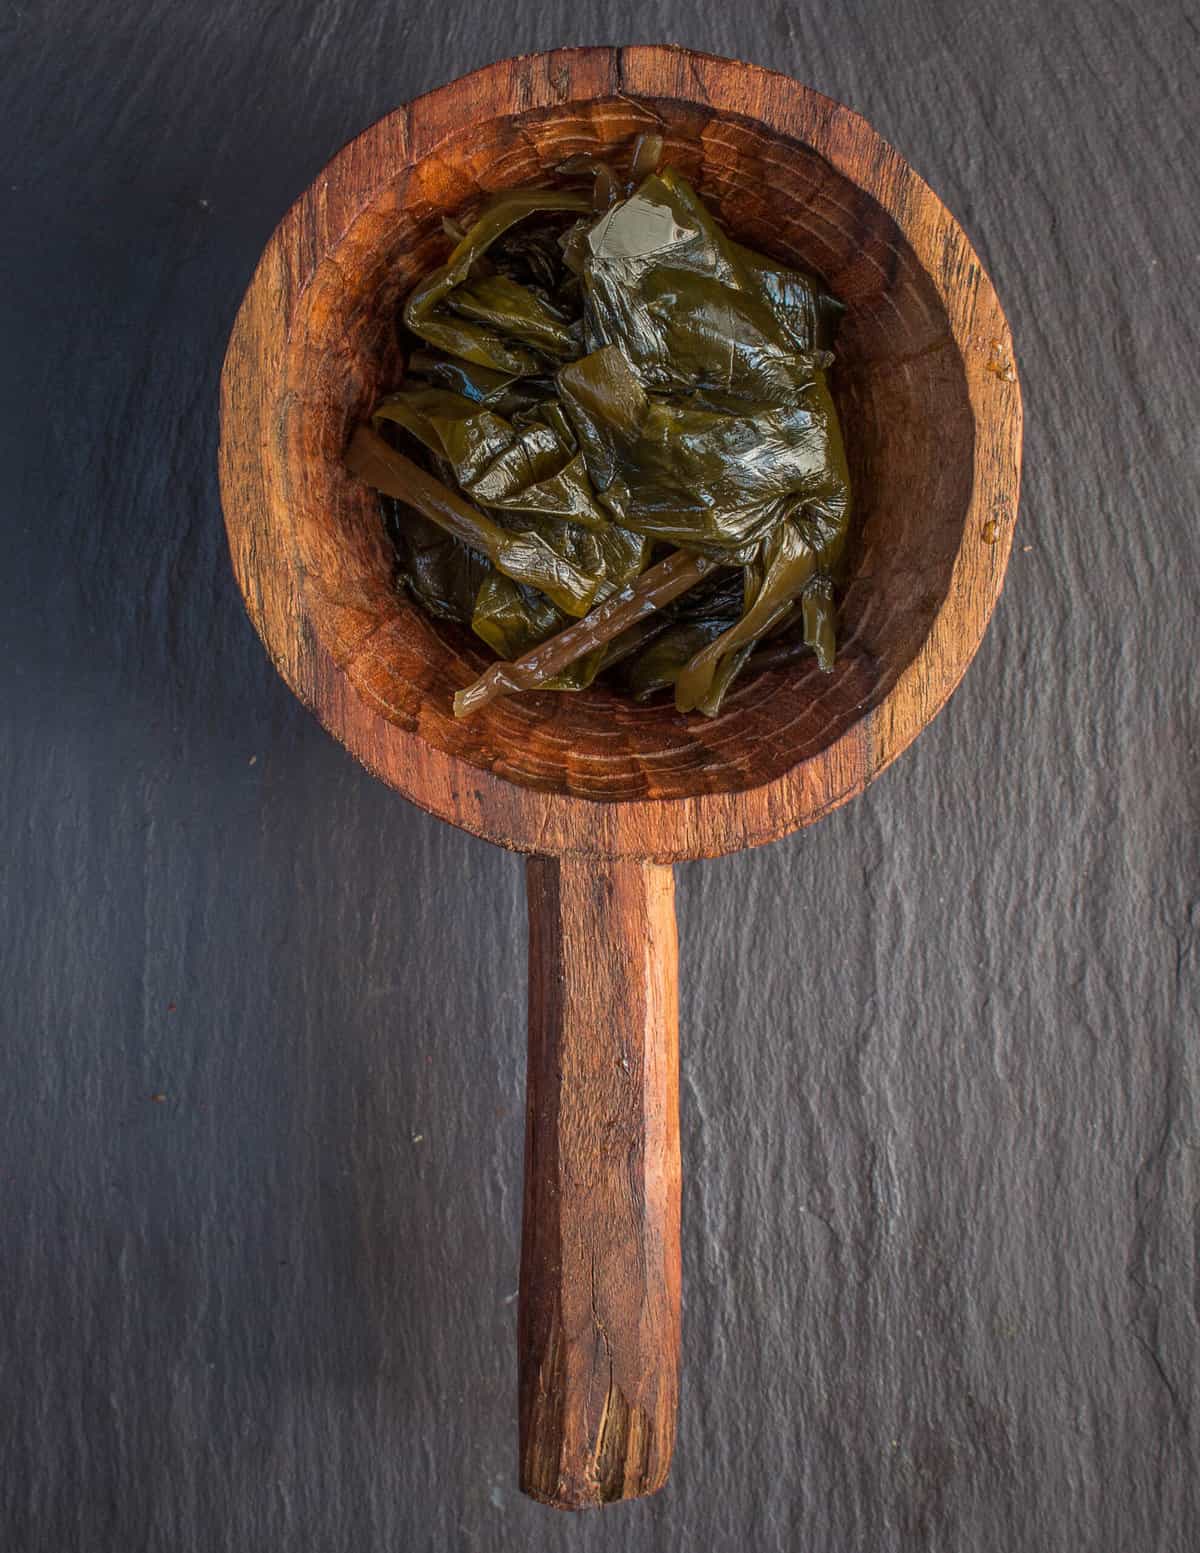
940	1089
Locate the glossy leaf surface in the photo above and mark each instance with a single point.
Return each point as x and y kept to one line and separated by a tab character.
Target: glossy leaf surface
600	377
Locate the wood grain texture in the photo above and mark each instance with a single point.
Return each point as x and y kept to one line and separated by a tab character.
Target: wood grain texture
598	1334
926	387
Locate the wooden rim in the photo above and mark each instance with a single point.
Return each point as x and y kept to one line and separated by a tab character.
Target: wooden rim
270	572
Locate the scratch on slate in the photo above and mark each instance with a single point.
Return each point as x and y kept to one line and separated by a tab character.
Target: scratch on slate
1152	1353
1149	1192
822	1220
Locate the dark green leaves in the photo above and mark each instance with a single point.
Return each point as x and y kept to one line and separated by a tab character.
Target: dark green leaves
598	376
430	311
717	473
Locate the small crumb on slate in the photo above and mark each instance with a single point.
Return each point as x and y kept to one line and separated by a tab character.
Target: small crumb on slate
418	1137
159	1099
253	760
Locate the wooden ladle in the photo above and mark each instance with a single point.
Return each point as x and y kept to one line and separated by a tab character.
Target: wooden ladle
602	793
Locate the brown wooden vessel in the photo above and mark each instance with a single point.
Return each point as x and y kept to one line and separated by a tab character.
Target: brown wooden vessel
604	794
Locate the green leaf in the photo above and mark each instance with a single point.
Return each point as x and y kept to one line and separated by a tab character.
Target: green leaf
517	313
426	312
701	473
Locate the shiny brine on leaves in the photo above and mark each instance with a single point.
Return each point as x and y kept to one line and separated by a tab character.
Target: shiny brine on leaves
604	382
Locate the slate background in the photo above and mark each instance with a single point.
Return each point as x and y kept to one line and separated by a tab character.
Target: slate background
940	1089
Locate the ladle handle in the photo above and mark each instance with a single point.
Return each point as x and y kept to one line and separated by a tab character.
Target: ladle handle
598	1322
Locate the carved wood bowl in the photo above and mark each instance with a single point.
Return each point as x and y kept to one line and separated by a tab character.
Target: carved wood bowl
599	790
